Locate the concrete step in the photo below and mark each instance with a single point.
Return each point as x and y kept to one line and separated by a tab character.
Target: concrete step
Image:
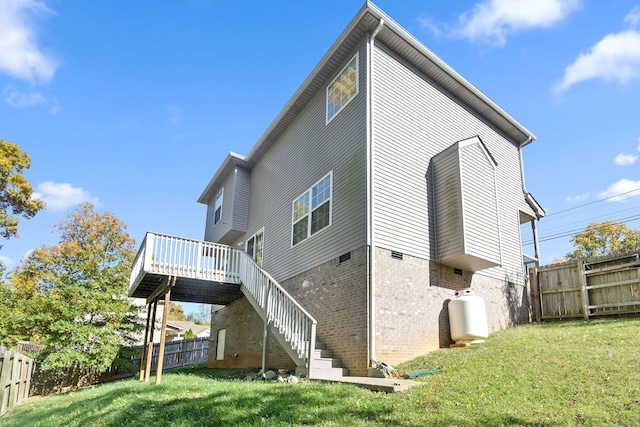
323	363
322	354
320	345
322	373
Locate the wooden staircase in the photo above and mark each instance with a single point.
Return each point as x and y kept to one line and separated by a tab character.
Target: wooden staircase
210	273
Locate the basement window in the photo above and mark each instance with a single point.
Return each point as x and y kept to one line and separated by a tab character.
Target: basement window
343	88
397	255
345	257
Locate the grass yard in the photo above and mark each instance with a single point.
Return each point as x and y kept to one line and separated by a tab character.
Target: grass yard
566	373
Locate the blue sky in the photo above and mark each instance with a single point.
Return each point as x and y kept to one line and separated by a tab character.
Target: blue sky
134	105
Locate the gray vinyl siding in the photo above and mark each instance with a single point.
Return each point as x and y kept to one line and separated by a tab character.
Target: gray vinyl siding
307	151
233	221
481	230
413	121
241	191
448	204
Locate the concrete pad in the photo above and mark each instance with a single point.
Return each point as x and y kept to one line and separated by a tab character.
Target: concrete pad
388	385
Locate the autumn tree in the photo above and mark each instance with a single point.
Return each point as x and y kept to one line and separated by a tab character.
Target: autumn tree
15	190
72	296
176	312
603	238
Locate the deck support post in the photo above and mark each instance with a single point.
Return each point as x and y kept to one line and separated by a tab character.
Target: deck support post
163	336
536	245
149	344
144	343
265	338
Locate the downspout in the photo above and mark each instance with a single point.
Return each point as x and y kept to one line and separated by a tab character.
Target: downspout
370	196
529	139
534	227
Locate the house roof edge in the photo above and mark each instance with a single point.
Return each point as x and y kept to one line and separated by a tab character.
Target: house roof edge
229	164
257	150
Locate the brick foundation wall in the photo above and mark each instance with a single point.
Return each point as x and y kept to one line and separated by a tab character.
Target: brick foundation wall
335	294
243	339
412	297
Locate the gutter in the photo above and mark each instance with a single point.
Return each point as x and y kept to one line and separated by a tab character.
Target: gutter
370	195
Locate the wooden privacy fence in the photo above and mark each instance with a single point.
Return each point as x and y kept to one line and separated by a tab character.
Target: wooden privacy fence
15	378
127	364
602	286
178	353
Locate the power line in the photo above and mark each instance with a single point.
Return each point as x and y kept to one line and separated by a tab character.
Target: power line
590	219
574	231
596	201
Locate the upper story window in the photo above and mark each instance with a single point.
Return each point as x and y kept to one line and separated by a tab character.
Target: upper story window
312	210
218	208
343	88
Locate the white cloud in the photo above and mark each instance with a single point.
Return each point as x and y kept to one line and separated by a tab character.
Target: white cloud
20	55
493	20
621	190
633	18
428	23
578	198
60	196
8	262
625	159
614	58
638	144
30	99
22	100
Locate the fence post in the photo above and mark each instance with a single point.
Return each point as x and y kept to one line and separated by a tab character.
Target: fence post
184	352
5	378
583	289
535	294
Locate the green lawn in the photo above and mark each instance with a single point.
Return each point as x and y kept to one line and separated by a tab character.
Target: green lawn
570	373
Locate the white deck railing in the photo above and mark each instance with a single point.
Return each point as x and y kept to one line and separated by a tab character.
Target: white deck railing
180	257
177	256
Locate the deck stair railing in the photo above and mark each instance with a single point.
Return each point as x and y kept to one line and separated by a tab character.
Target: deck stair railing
282	312
176	256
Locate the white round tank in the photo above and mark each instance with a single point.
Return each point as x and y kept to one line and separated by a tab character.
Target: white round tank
467	317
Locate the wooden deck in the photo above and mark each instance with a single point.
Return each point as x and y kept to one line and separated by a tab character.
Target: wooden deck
205	272
173	268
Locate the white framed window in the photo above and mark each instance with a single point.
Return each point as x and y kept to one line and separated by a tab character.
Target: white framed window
254	246
218	207
343	88
311	211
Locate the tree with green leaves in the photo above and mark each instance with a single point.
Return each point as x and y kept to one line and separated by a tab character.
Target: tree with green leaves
15	190
604	238
176	312
72	296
